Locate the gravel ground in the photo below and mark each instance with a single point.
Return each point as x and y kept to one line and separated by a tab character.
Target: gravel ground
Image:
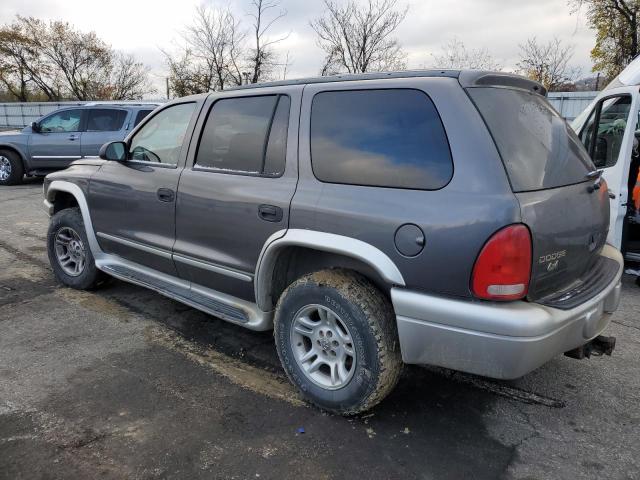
124	383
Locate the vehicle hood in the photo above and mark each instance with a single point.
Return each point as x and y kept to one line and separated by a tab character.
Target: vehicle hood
10	134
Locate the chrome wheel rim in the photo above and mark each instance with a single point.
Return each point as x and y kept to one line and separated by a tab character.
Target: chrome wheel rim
5	168
70	252
323	347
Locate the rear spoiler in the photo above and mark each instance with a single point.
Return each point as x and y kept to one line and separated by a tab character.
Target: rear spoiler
470	78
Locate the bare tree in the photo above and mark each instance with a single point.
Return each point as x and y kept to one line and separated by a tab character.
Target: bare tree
215	39
262	57
358	39
547	63
128	79
455	55
55	61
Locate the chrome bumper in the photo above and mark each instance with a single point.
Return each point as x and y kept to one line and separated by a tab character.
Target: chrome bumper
499	340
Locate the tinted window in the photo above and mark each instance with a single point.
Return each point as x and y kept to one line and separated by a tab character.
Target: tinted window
160	139
105	120
277	147
63	121
140	116
539	149
235	135
389	138
612	115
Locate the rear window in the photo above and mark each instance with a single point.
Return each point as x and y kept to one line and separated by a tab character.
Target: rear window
539	149
387	138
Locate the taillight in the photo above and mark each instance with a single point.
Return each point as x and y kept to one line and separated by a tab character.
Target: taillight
503	269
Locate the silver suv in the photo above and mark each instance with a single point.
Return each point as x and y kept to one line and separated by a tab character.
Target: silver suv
443	218
68	134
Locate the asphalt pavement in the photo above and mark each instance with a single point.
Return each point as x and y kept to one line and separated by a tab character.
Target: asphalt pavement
124	383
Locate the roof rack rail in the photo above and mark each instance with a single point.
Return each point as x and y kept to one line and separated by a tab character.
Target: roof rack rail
127	103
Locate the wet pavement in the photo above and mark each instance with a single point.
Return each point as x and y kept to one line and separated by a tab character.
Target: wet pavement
124	383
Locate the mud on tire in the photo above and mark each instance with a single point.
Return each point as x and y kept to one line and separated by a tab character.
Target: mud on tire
369	318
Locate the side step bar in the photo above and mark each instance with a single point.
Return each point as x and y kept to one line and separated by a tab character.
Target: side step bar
218	304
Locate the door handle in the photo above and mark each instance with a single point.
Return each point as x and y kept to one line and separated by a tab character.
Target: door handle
270	213
166	195
72	137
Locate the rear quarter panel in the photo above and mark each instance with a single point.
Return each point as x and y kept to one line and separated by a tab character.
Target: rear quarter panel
457	219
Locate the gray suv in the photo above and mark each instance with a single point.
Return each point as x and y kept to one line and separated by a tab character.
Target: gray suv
442	218
61	137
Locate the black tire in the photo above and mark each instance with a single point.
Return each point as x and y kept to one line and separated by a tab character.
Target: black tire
90	277
15	165
370	320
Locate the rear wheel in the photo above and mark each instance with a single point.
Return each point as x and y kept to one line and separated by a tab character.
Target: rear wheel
11	169
69	253
337	341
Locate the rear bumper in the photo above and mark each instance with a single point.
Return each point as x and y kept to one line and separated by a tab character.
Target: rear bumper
499	340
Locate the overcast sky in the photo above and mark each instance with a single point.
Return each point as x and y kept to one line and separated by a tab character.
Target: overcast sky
142	27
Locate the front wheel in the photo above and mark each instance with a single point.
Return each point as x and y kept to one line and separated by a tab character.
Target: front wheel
69	253
337	341
11	170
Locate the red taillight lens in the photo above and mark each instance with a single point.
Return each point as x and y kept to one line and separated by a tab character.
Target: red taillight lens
503	268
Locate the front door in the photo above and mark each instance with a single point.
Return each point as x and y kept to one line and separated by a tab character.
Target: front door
132	202
58	142
608	134
236	189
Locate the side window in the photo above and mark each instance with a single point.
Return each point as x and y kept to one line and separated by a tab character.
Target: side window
388	138
140	116
245	135
105	120
603	133
64	121
160	139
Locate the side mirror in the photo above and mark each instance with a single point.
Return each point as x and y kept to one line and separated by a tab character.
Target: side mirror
35	126
116	151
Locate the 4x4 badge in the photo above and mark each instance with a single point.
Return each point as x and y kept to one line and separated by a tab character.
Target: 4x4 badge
551	266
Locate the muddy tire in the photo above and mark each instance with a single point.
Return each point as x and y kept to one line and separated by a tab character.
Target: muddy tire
337	340
11	168
69	253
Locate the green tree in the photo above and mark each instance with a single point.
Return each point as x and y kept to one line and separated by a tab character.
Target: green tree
617	32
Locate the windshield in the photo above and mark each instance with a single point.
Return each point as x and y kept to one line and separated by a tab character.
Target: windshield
539	149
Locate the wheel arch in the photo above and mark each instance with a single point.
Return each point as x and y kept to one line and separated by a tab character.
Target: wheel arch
69	190
287	255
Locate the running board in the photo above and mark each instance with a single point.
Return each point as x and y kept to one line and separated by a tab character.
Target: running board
632	256
215	303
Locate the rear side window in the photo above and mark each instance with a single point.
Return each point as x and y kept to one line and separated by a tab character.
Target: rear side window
140	116
105	120
387	138
246	135
539	149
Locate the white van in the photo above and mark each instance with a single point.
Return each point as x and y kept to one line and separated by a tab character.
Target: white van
614	115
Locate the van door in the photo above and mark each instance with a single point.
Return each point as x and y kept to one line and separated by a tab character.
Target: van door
236	189
607	130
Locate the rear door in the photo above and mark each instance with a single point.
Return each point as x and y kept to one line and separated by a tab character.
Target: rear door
132	202
103	125
607	130
58	142
236	189
549	171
